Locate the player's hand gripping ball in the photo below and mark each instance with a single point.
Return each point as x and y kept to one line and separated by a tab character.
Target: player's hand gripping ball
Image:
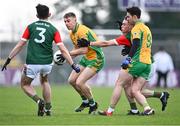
58	58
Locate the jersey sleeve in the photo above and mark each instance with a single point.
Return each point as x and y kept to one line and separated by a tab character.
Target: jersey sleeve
25	35
122	40
135	33
57	38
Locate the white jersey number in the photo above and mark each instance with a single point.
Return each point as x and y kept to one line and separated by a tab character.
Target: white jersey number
41	34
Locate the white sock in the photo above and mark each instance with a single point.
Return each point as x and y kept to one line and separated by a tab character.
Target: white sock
147	108
134	110
162	94
110	110
38	101
92	104
85	101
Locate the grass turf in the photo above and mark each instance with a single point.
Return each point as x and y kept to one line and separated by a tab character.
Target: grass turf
17	109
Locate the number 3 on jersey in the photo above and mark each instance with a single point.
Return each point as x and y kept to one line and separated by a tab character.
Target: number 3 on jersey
41	34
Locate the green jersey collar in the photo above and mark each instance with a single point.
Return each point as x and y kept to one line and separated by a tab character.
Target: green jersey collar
75	28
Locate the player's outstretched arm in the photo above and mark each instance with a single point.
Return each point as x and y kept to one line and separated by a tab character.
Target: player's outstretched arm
79	51
13	53
85	43
17	49
67	56
103	43
65	53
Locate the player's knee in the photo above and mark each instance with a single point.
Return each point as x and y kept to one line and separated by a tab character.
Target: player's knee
23	85
71	81
79	83
43	79
133	92
25	81
122	82
129	94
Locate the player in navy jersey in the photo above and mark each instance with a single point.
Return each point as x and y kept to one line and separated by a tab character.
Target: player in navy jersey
39	36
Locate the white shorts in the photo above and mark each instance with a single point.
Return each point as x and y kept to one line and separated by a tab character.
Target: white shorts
33	70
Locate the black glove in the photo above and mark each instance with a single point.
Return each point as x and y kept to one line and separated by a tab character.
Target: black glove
75	67
83	42
125	50
119	23
6	63
60	58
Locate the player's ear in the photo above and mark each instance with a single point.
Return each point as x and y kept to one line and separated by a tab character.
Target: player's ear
49	14
135	17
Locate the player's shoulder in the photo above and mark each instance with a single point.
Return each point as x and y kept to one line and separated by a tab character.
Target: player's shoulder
83	27
43	23
32	23
51	24
138	27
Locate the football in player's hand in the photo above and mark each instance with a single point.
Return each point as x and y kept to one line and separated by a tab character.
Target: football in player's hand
58	58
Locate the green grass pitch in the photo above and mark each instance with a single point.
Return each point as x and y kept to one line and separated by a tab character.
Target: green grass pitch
17	109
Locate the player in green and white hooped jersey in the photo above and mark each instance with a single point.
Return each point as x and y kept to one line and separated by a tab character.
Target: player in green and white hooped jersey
40	36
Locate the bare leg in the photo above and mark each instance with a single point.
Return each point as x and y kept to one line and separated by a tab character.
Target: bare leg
72	80
147	93
86	74
26	86
46	92
127	89
123	78
131	100
46	89
138	83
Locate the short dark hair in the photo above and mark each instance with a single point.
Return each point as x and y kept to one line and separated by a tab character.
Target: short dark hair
161	48
42	11
69	14
134	11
